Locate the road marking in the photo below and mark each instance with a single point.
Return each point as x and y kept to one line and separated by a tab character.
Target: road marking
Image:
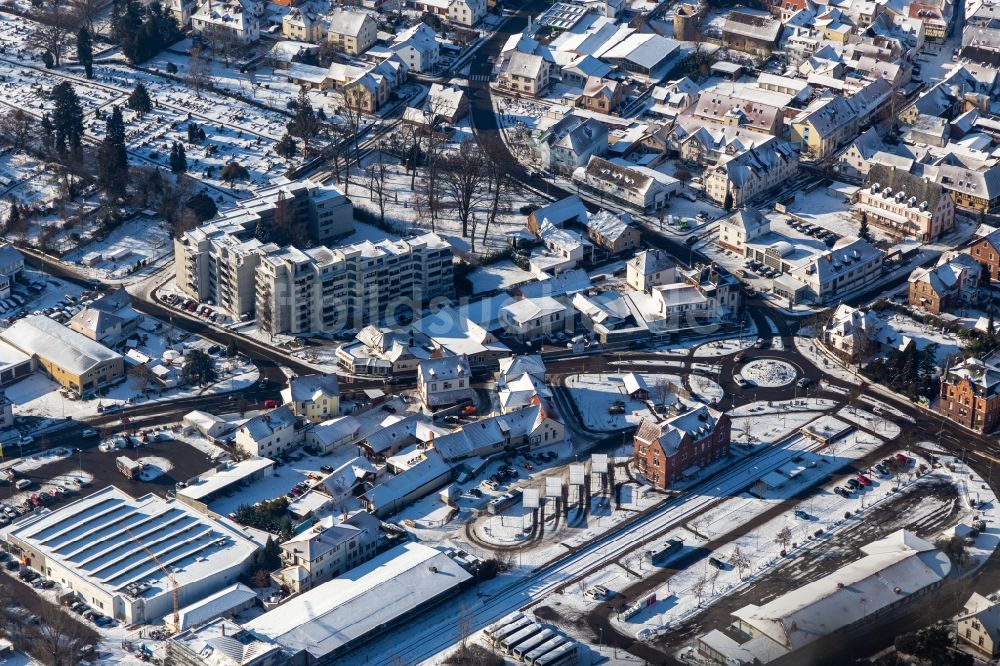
987	457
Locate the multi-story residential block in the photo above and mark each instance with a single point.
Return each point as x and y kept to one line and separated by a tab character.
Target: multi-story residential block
352	31
970	395
642	190
824	127
905	205
313	397
986	252
664	452
738	178
317	289
326	550
329	289
235	20
302	24
941	288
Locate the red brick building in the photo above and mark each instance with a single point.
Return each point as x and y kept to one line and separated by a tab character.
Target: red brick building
970	395
986	251
663	452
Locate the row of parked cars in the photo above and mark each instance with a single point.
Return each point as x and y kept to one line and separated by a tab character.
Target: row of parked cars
815	231
194	307
861	481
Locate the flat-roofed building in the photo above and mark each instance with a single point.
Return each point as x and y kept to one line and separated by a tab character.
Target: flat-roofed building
109	549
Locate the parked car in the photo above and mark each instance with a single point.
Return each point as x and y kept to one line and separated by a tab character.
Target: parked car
326	469
864	480
840	491
801	515
852	484
717	563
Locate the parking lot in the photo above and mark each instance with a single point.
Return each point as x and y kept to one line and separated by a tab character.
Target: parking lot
55	478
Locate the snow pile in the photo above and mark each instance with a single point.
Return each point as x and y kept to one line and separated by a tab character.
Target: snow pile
769	372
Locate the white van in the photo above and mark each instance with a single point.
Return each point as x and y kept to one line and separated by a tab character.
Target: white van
23	484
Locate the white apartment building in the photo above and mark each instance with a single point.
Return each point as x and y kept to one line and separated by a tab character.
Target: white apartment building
238	20
270	434
352	31
327	550
329	289
418	47
317	289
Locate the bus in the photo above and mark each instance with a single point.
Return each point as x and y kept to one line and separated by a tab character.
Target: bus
567	654
513	640
527	646
501	623
507	630
545	648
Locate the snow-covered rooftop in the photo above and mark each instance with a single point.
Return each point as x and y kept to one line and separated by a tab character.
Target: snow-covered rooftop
335	615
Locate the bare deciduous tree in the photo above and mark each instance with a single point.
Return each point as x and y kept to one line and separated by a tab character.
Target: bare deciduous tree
784	537
59	22
377	170
464	180
740	561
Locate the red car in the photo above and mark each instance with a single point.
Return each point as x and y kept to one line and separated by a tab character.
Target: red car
901	459
864	480
270	404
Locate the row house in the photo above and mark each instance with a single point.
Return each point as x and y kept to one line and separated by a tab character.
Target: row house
905	205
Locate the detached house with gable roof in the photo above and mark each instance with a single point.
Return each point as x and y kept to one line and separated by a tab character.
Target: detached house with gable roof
941	288
352	31
444	381
667	452
314	397
978	626
525	73
270	434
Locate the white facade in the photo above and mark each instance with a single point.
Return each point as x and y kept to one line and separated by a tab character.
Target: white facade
85	547
466	12
532	318
269	434
238	20
418	48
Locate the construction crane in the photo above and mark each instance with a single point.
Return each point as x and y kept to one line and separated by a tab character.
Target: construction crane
170	577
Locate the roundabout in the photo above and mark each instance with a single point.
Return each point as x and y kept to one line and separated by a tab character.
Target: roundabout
769	372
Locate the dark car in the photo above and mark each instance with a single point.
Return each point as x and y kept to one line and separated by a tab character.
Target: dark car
718	564
13	565
389	408
326	469
853	484
840	491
